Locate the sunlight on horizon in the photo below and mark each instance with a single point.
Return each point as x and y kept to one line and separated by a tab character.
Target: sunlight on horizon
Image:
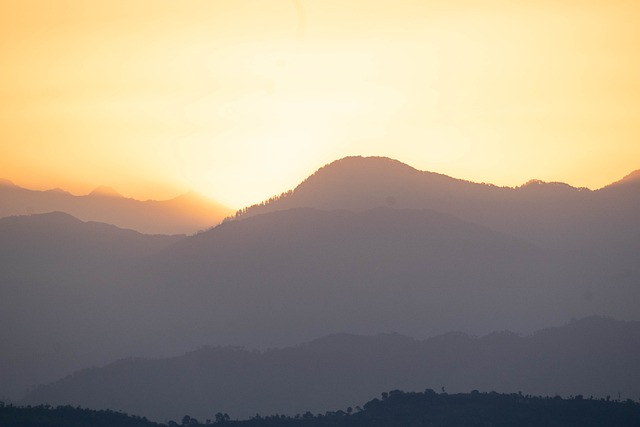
242	100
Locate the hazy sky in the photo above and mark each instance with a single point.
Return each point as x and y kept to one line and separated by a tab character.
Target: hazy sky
241	100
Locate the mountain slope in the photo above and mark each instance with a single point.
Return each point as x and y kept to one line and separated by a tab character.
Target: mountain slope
548	214
595	233
301	273
269	280
593	356
184	214
291	275
51	267
38	244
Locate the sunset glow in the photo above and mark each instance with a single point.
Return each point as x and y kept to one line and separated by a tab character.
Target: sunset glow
241	100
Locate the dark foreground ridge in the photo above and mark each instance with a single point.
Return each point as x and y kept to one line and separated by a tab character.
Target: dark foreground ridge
66	416
395	408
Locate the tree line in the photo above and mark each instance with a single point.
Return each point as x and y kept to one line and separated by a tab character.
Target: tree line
393	409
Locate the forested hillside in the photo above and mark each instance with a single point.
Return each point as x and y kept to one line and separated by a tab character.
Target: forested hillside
394	409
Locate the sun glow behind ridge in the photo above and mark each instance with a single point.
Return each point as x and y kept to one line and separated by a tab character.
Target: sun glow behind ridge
241	100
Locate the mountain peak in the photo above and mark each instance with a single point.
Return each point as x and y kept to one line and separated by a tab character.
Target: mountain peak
632	178
6	183
362	183
57	190
533	182
366	175
372	160
360	165
539	184
105	191
56	218
191	195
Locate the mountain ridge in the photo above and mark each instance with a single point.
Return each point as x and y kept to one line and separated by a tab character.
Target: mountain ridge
272	279
372	255
105	191
550	214
631	179
183	214
311	376
56	275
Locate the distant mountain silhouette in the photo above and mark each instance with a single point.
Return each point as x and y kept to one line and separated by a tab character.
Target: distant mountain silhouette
440	254
185	214
292	275
269	280
289	276
49	265
592	356
632	179
549	214
597	230
42	244
105	191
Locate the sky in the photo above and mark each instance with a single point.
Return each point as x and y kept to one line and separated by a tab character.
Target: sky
241	100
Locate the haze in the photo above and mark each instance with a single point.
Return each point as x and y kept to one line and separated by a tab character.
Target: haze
240	100
282	206
365	245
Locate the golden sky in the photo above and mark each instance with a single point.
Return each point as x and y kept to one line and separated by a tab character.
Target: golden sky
240	100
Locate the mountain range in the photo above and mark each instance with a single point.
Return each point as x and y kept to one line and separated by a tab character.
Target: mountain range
550	214
363	246
593	357
185	214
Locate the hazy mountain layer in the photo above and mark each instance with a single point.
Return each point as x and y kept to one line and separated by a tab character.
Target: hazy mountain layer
185	214
75	297
287	277
291	275
269	280
52	244
593	356
50	268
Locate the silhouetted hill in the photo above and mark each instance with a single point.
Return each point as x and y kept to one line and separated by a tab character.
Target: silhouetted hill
592	356
363	183
633	179
521	258
395	408
50	267
184	214
66	416
548	214
289	276
401	409
269	280
33	245
595	233
300	273
105	192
